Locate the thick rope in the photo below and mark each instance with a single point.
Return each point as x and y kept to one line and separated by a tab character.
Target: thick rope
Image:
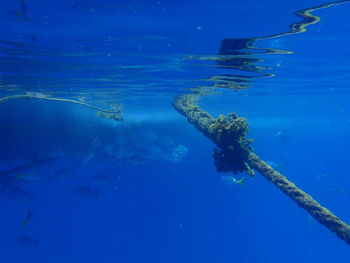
320	213
114	113
204	122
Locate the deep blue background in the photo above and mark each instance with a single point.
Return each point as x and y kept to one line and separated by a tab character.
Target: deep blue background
158	210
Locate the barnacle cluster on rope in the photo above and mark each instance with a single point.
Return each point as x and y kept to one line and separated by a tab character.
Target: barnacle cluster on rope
115	112
228	133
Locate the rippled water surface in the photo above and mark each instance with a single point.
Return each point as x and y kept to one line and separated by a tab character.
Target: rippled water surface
96	165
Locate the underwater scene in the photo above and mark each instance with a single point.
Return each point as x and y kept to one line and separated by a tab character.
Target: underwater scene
174	131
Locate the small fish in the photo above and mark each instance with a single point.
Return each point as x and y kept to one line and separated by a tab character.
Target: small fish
282	135
230	180
322	175
26	220
65	171
29	241
275	165
240	181
337	190
27	177
35	163
86	191
101	179
23	10
33	38
23	6
342	190
14	191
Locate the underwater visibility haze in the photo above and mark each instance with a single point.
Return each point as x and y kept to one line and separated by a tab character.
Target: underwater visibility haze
174	131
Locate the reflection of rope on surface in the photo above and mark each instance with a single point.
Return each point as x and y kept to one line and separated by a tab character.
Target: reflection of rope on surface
307	19
233	153
114	113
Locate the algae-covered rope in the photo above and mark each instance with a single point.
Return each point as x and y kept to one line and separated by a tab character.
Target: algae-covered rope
320	213
235	154
114	113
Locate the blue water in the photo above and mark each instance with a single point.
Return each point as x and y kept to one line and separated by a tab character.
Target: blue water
77	187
